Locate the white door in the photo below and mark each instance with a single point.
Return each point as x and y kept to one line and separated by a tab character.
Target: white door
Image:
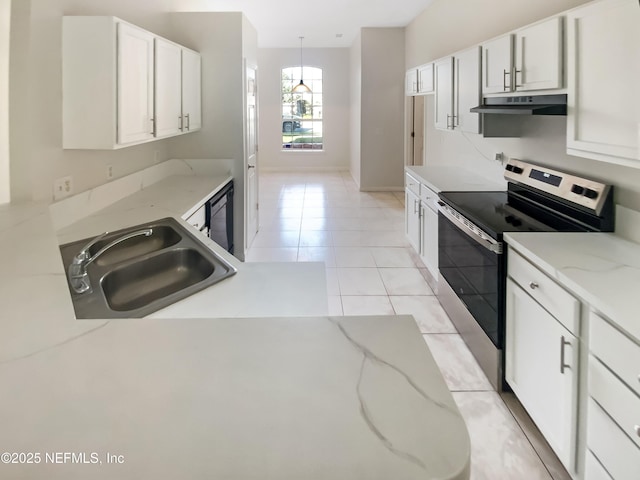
135	85
497	56
412	219
541	366
539	57
168	89
467	90
444	94
603	117
191	90
251	161
429	239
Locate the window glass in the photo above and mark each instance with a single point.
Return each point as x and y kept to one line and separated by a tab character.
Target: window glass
302	112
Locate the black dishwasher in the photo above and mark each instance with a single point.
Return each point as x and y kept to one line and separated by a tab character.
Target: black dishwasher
219	217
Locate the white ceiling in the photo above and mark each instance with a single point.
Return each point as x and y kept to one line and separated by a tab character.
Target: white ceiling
280	22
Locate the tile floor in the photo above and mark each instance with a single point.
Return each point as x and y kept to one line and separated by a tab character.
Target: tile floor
371	269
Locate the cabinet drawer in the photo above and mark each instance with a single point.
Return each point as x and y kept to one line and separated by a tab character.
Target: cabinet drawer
616	351
412	184
428	196
617	454
556	300
615	398
593	470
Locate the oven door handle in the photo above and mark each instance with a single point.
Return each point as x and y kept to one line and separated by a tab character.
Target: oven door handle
470	229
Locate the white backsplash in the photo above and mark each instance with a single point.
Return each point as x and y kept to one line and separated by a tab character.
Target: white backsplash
72	209
628	224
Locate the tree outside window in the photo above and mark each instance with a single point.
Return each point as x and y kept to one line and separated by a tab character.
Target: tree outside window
302	112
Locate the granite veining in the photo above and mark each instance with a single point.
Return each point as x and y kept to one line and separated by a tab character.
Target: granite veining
599	268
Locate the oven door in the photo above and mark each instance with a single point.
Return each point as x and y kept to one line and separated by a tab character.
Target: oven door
473	265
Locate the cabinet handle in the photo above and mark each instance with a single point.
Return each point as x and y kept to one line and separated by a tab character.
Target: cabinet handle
563	365
515	76
153	125
415	206
188	122
504	80
533	285
637	429
181	118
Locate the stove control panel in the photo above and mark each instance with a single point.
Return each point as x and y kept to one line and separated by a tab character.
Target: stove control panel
582	191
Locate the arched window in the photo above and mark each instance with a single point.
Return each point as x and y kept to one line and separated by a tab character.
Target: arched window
302	112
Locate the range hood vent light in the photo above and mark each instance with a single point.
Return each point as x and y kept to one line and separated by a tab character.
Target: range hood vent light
529	105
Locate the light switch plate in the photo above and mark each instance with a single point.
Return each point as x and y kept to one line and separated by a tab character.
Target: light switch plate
62	187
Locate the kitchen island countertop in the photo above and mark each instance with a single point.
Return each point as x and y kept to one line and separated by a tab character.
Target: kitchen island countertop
253	398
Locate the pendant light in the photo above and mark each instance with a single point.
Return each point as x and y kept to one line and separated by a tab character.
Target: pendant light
301	87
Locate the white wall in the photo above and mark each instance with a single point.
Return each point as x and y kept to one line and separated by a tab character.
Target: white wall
222	39
37	157
5	24
355	82
543	138
382	108
336	113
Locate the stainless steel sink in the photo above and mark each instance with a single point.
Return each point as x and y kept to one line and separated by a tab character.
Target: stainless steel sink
143	274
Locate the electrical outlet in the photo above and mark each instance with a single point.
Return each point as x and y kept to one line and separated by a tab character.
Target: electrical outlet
62	187
500	157
109	172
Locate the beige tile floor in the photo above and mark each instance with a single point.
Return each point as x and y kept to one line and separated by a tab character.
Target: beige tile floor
371	269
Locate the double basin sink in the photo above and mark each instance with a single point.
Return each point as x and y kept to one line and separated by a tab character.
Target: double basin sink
161	263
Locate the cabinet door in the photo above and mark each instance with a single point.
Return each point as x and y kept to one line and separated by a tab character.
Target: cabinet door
412	219
168	90
603	120
425	78
429	239
541	366
539	56
135	84
497	57
467	90
411	82
443	70
191	90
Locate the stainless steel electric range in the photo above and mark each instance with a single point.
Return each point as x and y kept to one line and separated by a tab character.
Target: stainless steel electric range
472	254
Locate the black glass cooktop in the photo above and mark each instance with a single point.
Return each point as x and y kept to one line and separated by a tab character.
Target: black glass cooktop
496	213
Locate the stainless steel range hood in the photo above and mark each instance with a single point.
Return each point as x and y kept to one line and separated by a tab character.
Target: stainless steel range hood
529	105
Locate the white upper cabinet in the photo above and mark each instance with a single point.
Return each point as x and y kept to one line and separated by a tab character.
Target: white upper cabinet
538	56
419	81
135	85
411	82
457	86
467	90
497	57
527	60
603	69
425	78
122	85
191	90
444	116
168	92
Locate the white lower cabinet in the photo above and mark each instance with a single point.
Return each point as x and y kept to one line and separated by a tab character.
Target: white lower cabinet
412	218
613	418
541	356
421	222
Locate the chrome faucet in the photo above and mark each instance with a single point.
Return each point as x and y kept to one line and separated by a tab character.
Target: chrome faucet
78	277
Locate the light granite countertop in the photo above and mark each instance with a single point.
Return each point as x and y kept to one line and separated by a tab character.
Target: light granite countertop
268	399
37	308
184	397
602	269
451	179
